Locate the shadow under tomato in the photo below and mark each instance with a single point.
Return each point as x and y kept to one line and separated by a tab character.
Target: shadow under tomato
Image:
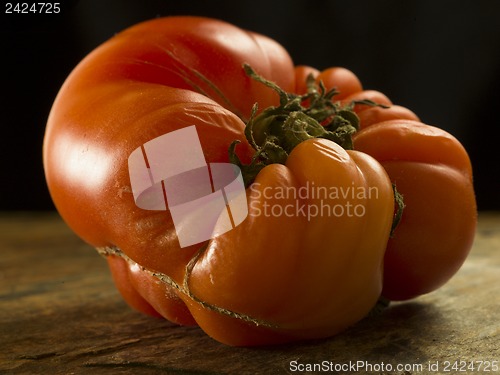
403	332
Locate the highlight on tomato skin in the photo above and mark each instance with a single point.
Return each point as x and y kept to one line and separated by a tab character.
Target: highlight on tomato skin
276	277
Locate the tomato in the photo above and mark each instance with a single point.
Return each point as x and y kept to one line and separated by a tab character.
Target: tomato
298	266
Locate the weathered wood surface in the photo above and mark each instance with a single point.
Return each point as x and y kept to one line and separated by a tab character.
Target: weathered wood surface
60	314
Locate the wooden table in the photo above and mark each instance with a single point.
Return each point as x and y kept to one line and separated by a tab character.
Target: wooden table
61	314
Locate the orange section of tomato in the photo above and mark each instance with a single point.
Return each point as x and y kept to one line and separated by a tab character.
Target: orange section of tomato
309	267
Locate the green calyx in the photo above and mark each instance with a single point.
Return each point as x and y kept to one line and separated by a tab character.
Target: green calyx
276	131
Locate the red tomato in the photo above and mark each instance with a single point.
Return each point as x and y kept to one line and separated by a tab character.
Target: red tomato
273	278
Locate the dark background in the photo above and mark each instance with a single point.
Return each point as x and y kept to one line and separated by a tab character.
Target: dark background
439	58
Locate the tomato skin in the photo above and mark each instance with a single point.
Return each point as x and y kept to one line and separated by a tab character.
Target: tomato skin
436	231
342	79
376	115
145	293
432	171
372	95
192	53
121	277
308	269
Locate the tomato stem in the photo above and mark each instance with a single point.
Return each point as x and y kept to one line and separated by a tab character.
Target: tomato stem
276	131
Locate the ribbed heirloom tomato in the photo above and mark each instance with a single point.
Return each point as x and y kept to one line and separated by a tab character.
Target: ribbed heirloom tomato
307	261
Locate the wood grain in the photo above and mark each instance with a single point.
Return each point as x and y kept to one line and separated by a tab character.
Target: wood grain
61	314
